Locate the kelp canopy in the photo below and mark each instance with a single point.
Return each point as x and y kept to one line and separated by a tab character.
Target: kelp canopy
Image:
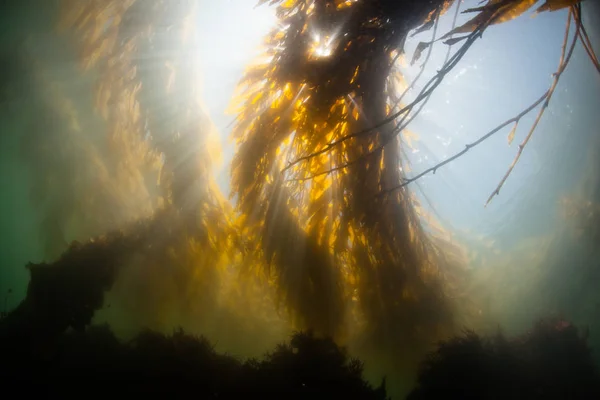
321	207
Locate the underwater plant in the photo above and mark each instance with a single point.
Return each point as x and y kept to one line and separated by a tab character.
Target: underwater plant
181	365
551	361
66	293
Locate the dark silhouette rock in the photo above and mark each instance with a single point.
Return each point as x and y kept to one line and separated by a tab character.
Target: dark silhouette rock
181	365
552	361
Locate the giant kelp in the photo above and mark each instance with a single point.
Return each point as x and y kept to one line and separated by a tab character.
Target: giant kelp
323	210
325	76
319	164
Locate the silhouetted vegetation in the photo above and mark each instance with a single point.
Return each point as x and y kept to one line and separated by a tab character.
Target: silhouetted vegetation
552	361
66	293
181	365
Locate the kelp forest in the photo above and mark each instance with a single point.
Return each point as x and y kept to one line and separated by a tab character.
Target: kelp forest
296	243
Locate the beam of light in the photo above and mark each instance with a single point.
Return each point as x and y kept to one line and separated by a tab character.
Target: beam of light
358	107
322	45
323	51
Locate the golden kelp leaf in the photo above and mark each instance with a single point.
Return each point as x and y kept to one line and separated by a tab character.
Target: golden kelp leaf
431	17
514	10
553	5
422	46
500	10
426	26
355	113
341	4
511	135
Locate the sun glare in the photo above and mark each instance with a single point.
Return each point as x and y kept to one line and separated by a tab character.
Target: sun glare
322	45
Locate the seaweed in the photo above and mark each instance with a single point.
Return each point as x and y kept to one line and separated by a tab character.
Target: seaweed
551	361
180	364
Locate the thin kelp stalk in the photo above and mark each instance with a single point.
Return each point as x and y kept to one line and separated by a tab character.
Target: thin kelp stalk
507	9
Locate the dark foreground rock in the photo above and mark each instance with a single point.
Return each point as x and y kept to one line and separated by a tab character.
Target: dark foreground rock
552	361
94	363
